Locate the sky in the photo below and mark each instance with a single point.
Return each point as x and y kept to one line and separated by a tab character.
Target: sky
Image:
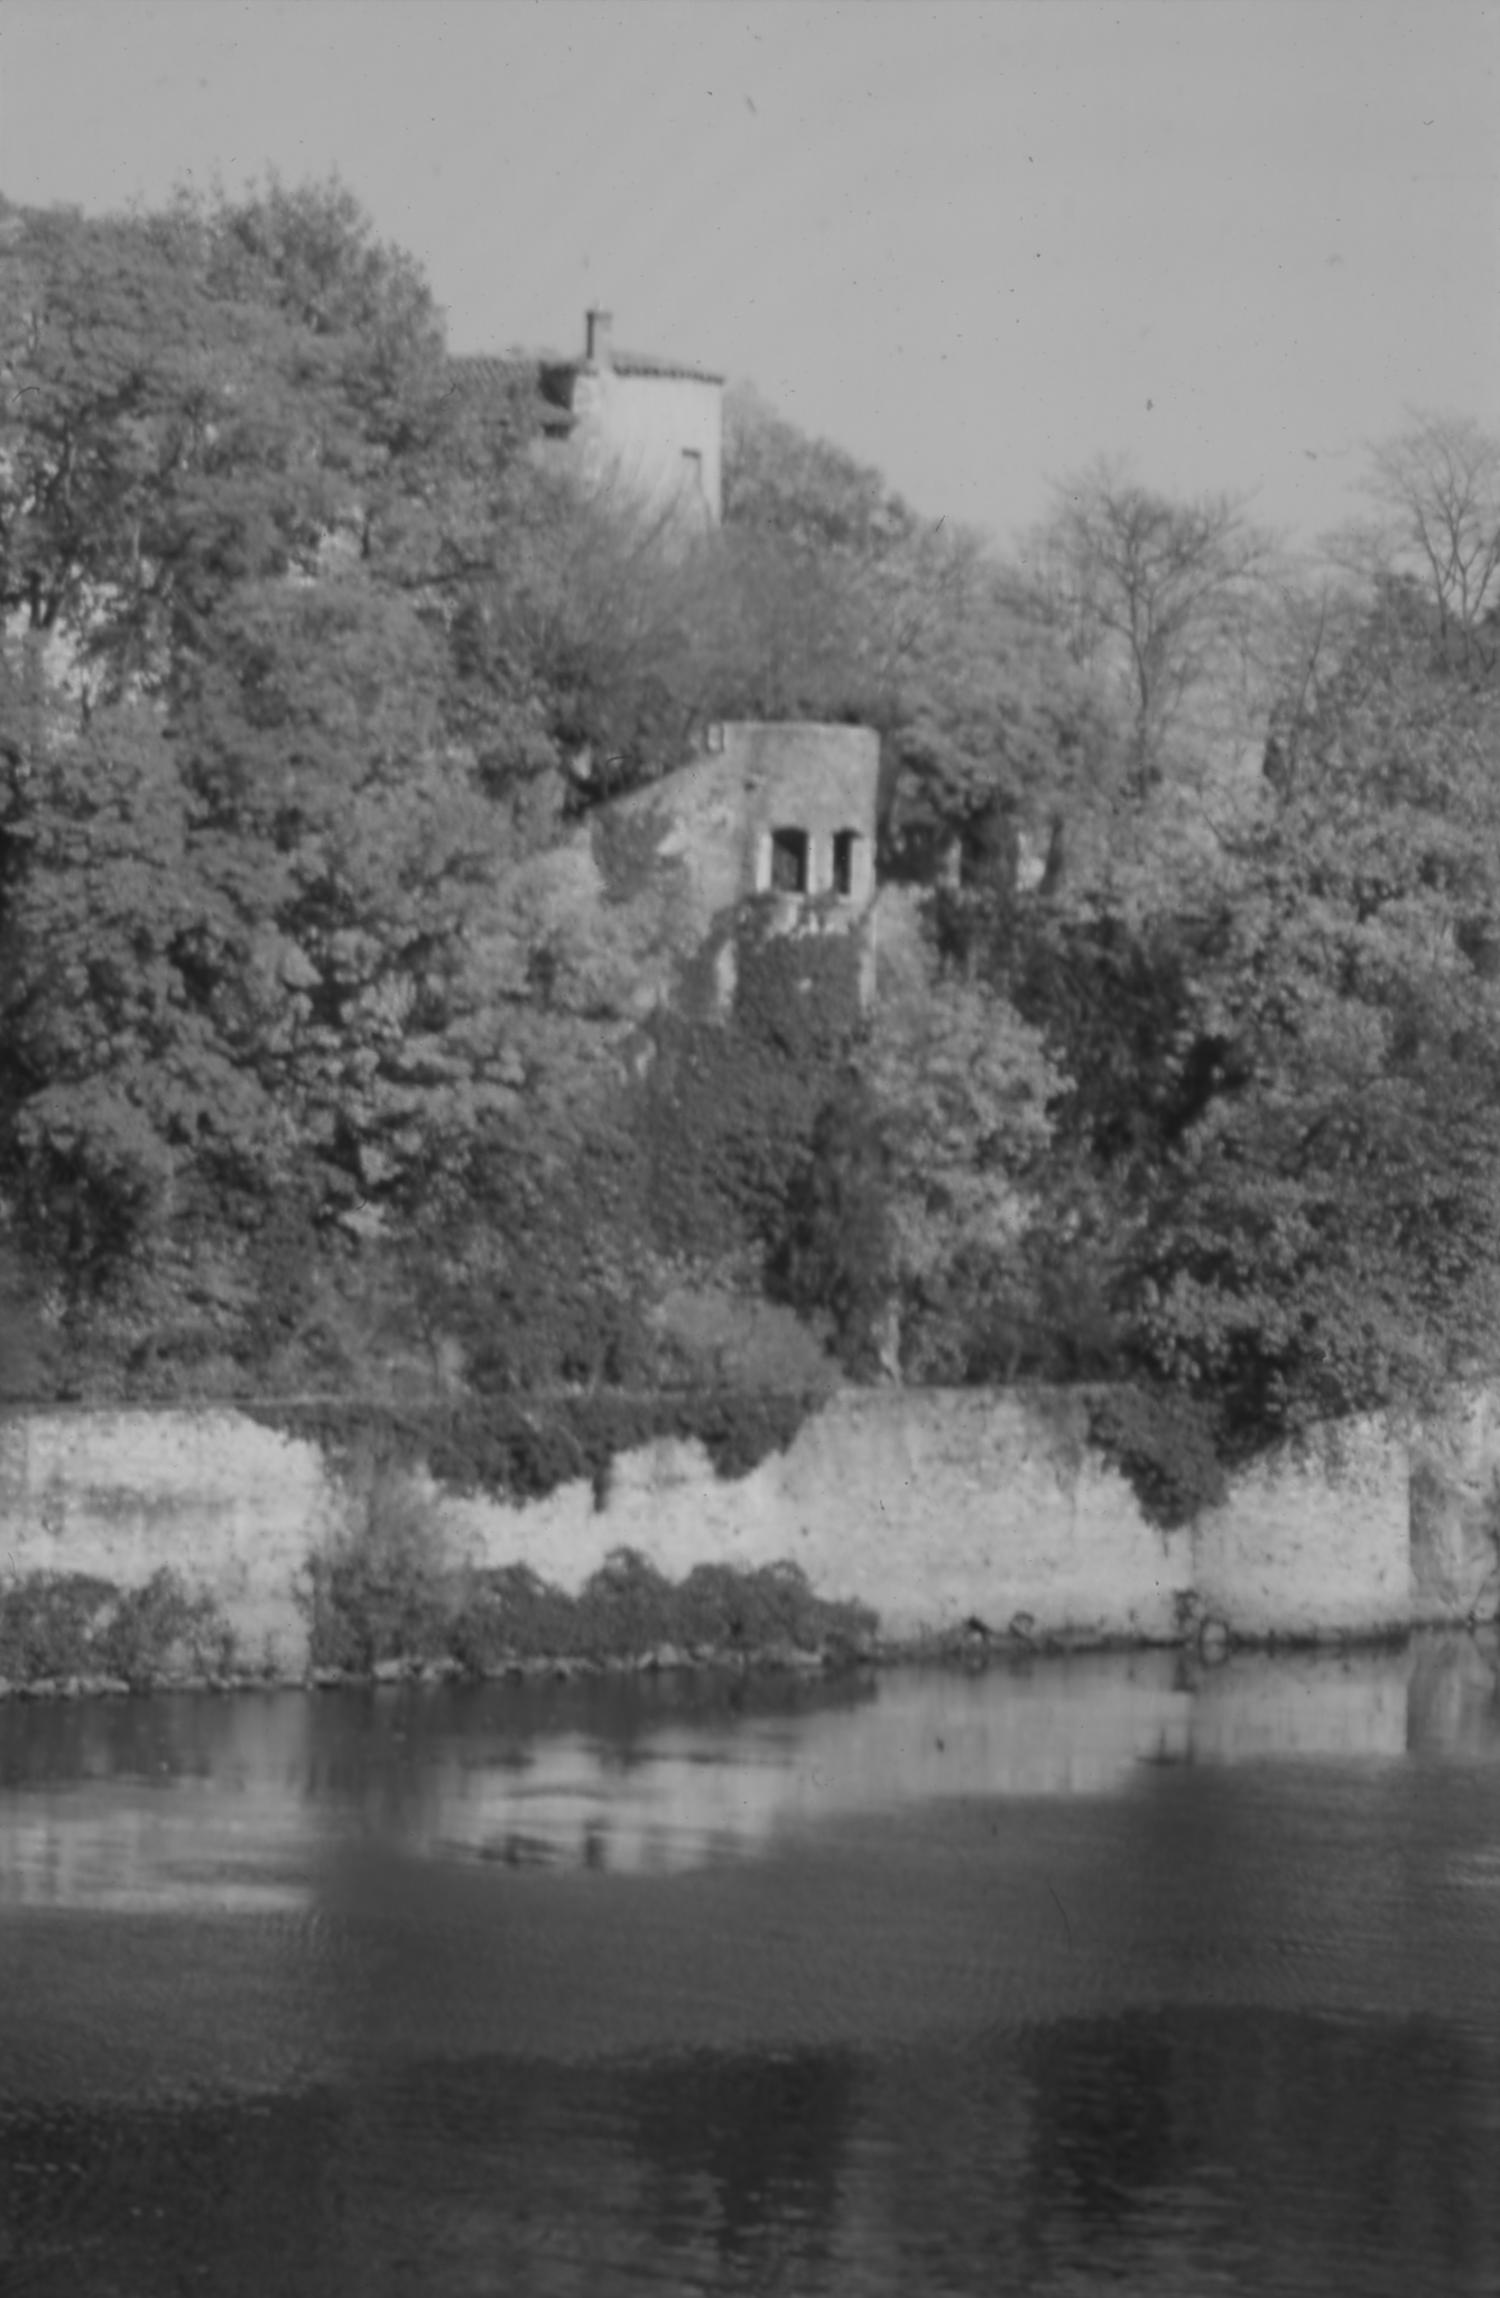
977	242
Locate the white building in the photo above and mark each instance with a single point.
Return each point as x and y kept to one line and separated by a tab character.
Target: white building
653	425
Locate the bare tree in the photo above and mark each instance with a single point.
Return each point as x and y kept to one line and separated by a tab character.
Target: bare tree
1165	591
1438	483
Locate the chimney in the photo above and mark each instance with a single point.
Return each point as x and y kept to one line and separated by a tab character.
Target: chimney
598	349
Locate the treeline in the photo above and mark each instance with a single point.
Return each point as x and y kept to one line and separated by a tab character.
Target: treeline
316	1075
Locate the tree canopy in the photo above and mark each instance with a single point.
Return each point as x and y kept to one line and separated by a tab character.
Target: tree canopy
319	1053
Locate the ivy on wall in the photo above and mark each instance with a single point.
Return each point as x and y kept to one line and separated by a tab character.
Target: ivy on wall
728	1109
522	1447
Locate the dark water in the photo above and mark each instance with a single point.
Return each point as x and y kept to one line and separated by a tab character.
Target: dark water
1097	1977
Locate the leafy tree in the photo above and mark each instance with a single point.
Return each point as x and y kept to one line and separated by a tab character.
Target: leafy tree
582	626
245	838
1289	1090
111	1069
26	1368
833	1257
836	600
778	480
114	369
318	1050
961	1086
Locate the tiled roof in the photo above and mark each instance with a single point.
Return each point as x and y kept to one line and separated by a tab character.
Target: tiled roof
488	368
647	363
485	371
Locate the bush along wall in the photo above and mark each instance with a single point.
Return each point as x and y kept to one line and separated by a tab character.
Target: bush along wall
69	1632
386	1601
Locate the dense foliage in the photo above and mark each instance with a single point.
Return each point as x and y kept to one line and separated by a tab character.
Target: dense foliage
323	1070
383	1598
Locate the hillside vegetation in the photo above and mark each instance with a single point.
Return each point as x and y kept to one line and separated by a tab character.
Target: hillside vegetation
1190	1087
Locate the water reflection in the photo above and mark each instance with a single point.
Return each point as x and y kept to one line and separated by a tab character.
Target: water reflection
185	1804
1166	2156
201	1805
1106	1974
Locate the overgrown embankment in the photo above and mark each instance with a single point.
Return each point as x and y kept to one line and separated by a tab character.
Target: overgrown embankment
383	1601
149	1546
382	1604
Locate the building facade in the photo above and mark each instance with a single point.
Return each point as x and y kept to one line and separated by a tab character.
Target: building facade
653	426
768	837
782	812
664	897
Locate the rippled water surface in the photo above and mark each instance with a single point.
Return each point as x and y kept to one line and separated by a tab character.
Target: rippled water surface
1098	1975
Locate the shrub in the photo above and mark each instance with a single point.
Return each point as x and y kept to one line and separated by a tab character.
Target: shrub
720	1607
164	1629
381	1593
511	1614
386	1594
1163	1442
27	1348
49	1622
60	1624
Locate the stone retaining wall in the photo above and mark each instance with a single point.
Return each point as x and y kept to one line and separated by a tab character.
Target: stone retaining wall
234	1507
1455	1511
935	1507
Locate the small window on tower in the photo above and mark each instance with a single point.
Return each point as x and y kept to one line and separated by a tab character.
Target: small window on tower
844	843
692	469
789	861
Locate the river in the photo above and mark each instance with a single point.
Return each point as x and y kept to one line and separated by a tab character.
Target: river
1111	1973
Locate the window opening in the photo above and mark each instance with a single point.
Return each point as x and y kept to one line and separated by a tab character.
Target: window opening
789	861
844	842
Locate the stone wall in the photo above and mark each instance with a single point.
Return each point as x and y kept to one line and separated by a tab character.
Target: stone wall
1315	1539
711	822
944	1506
234	1507
937	1508
1455	1510
644	893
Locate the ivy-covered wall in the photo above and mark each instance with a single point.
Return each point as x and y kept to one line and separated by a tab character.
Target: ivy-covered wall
940	1507
728	1104
945	1512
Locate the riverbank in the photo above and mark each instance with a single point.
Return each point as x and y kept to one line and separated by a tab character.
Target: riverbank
971	1651
383	1619
895	1522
